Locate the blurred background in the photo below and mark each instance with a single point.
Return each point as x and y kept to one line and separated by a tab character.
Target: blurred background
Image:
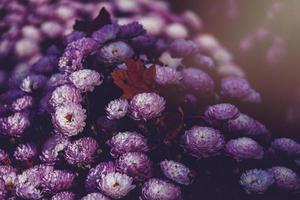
263	36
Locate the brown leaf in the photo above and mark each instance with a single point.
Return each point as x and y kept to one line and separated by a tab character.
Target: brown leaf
136	79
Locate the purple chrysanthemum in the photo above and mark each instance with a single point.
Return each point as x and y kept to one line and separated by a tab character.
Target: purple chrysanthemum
167	75
205	61
75	35
106	33
95	196
57	180
69	119
221	112
115	185
131	30
256	181
25	152
146	106
52	147
8	174
96	173
285	178
15	124
81	151
85	80
28	183
286	145
262	130
64	196
203	142
252	97
243	124
244	148
33	82
22	103
182	47
28	191
75	52
157	189
144	42
64	94
235	87
117	109
135	164
115	52
177	172
197	80
127	142
247	126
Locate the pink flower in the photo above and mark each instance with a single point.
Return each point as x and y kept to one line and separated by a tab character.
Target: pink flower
146	106
203	142
177	172
69	119
115	185
64	94
85	80
155	189
244	148
127	142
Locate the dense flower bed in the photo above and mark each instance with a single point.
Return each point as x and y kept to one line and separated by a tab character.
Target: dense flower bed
119	111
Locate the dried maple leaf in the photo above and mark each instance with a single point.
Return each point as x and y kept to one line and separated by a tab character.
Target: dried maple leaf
136	79
171	124
89	27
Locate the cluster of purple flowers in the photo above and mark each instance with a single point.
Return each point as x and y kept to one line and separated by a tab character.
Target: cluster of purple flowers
27	25
70	133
